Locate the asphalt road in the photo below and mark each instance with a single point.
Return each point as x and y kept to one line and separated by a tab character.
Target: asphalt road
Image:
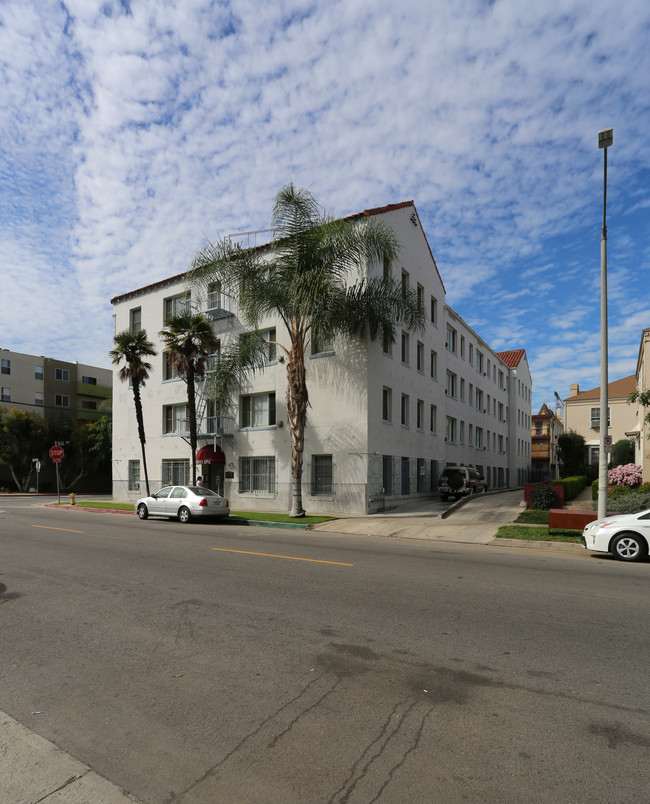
213	663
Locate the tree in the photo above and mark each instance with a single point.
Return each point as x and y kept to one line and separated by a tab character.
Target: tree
189	342
23	437
131	348
571	453
622	452
304	277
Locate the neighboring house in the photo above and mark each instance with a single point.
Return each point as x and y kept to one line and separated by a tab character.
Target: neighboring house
545	431
383	419
582	414
640	433
46	386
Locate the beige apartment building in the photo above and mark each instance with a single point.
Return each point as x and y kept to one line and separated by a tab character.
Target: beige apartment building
383	420
625	419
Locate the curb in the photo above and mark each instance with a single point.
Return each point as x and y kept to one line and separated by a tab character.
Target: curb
566	546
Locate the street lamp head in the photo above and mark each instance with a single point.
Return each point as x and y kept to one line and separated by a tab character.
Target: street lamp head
605	137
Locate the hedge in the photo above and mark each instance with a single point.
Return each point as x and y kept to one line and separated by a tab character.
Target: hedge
572	486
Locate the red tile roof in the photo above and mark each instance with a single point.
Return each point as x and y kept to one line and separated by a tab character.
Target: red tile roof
512	357
618	388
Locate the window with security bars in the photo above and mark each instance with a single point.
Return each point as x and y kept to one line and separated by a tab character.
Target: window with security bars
257	475
321	474
175	473
134	475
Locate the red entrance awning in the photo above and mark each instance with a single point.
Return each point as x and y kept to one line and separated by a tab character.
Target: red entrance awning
210	455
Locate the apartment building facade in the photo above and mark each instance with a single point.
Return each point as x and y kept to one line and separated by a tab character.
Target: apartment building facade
546	429
47	386
384	419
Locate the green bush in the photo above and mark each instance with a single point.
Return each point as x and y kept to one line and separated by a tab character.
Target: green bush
542	498
572	486
632	502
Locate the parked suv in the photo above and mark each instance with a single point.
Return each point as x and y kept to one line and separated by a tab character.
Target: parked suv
457	481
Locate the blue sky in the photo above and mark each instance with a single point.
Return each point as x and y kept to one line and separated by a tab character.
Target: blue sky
132	131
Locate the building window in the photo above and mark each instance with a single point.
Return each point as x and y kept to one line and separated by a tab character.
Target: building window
320	346
387	474
388	269
169	371
38	372
419	356
134	475
461	435
405	281
419	414
501	444
451	339
62	400
433	419
501	412
387	405
470	356
321	474
594	453
176	305
405	348
479	438
462	346
257	475
501	386
450	432
62	374
135	319
89	404
462	389
269	335
38	399
387	344
434	310
470	434
404	417
175	472
479	400
89	380
214	296
595	418
434	365
420	297
258	410
451	384
175	419
6	366
6	394
479	361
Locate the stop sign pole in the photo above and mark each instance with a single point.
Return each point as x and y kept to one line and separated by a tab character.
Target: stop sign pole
56	453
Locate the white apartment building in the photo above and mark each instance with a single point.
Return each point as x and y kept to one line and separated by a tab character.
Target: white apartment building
383	419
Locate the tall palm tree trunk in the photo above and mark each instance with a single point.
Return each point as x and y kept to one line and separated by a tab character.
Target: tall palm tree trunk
297	401
191	404
140	419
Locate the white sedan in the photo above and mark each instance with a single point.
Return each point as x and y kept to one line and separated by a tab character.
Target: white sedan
626	536
184	503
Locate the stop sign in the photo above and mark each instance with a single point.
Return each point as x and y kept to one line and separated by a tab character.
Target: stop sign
56	453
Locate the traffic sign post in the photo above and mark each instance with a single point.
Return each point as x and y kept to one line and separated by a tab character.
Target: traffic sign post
608	445
56	453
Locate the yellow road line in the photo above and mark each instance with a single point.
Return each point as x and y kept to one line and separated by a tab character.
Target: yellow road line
47	527
290	558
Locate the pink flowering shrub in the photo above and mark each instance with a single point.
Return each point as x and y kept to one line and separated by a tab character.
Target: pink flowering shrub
627	475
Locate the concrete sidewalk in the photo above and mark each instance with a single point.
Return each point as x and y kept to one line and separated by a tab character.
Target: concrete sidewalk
33	769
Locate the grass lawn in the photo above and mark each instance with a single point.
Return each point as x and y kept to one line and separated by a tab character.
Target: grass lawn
235	516
533	517
541	534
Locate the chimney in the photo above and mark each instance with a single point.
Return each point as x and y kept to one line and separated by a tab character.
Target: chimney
575	389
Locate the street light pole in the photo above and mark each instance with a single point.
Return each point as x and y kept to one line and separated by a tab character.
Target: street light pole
605	139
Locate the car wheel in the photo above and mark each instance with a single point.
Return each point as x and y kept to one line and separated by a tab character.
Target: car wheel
629	547
184	514
142	511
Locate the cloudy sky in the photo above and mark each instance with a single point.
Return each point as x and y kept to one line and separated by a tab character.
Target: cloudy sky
133	130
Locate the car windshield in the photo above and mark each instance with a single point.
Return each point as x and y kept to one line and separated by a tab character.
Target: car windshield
203	492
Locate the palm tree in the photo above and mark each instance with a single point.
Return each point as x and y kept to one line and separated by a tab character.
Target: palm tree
189	342
304	278
132	348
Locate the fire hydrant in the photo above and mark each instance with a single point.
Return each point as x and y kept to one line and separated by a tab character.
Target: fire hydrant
72	498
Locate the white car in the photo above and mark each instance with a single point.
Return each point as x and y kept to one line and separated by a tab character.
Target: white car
626	536
184	503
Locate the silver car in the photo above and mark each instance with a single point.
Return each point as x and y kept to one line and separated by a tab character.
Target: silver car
183	502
